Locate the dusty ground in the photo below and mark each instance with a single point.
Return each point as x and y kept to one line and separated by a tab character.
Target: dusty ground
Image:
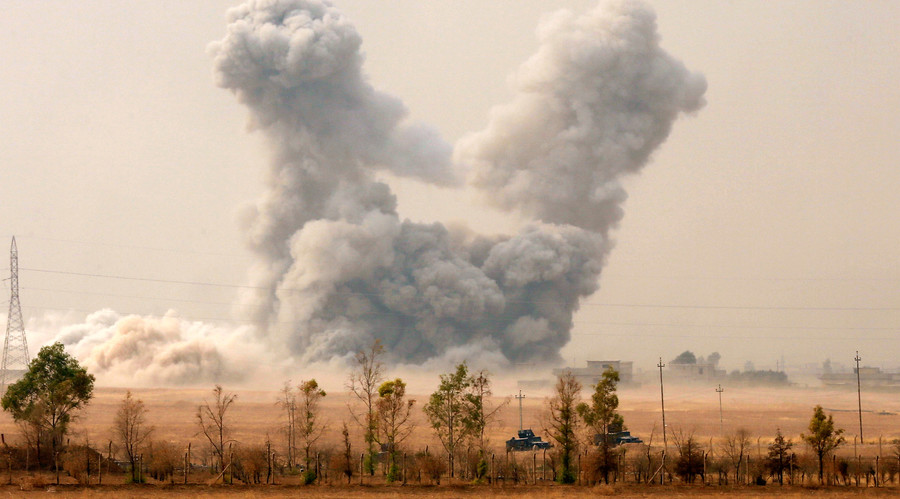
689	409
542	492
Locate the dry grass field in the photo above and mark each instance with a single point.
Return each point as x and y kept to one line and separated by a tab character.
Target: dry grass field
689	409
463	491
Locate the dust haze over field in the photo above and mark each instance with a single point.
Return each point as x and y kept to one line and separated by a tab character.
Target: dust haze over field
337	267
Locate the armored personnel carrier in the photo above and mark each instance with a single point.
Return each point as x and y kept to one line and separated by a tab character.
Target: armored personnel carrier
526	440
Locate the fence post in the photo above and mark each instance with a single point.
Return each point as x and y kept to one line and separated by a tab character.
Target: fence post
877	469
579	468
493	479
544	466
187	465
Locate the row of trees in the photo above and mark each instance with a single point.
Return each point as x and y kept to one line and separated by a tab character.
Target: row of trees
45	401
601	419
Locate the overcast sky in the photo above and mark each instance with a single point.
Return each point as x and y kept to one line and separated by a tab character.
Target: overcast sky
766	226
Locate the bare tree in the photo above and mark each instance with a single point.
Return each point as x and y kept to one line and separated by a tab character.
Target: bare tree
309	427
690	462
211	420
130	428
563	424
345	459
480	413
394	423
736	445
364	381
288	403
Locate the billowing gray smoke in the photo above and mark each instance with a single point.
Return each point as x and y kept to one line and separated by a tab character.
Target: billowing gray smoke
338	267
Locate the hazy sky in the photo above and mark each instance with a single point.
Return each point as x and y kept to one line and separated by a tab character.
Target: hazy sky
766	225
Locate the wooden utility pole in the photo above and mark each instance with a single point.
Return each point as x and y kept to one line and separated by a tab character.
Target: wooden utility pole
859	396
520	397
187	469
662	398
719	390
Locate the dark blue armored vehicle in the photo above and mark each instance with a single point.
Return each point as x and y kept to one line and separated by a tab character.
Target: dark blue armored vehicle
618	438
526	440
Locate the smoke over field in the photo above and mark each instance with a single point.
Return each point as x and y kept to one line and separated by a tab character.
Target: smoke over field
336	265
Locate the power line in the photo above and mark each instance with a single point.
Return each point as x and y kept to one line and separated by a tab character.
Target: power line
742	337
579	322
114	295
129	246
733	326
381	327
604	276
587	303
752	279
143	279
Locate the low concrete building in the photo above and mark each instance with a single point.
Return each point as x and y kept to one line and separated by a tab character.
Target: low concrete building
870	378
590	375
701	371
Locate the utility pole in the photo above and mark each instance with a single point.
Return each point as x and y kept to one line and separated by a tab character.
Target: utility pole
859	396
520	397
662	399
719	390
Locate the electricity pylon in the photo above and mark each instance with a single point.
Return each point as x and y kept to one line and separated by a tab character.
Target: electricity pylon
15	347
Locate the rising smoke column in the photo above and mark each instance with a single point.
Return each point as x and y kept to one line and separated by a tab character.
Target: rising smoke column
337	267
591	105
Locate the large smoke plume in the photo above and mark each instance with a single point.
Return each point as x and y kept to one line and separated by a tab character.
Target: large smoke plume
337	267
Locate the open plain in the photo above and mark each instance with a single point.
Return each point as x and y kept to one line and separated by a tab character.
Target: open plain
690	410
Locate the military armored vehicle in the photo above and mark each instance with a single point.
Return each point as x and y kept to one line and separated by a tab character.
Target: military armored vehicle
526	440
617	438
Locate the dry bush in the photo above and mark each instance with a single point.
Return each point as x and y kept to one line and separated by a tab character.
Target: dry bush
598	467
635	463
340	465
80	462
890	467
32	482
806	467
689	463
720	466
163	459
433	467
476	464
250	463
512	469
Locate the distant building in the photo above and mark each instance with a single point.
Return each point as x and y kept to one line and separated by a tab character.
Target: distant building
869	377
590	375
700	371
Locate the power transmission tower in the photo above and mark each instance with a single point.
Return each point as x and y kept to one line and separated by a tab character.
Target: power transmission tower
15	347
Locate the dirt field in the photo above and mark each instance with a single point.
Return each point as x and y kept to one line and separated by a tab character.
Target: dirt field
541	492
689	409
